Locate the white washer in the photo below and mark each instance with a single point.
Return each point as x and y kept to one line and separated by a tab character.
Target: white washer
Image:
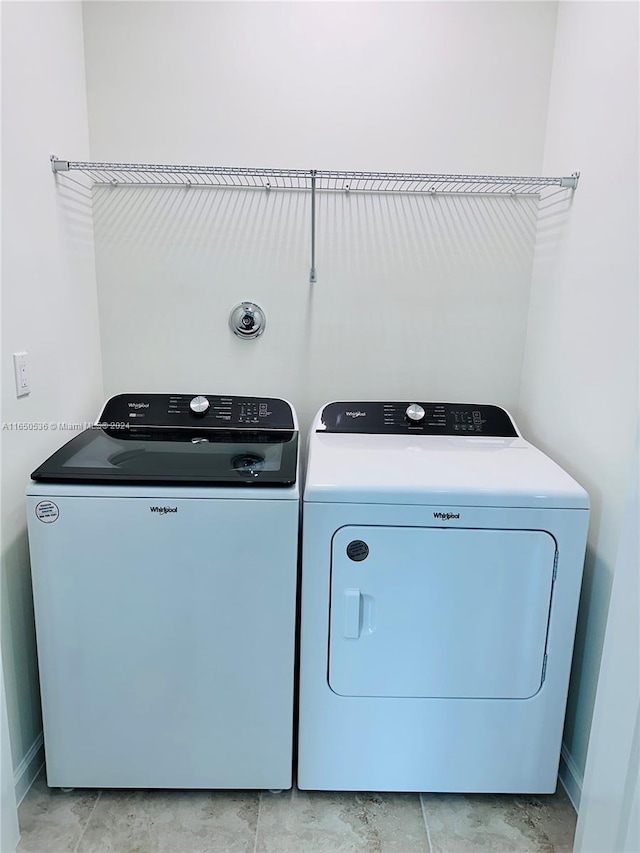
164	563
441	572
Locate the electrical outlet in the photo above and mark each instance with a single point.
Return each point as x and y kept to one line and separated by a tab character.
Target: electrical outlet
22	376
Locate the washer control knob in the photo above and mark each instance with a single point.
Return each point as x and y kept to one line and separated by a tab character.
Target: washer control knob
199	405
415	413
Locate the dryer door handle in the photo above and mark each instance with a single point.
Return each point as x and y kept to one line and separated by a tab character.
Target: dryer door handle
352	613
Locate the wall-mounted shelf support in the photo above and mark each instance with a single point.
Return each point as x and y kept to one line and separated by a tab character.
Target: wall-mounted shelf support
313	180
312	272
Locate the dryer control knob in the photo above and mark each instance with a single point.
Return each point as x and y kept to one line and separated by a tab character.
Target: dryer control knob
415	413
199	405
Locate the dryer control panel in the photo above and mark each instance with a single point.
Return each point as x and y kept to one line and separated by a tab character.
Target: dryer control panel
206	411
402	418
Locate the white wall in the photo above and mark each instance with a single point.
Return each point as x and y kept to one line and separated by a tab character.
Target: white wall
49	307
432	86
610	803
580	379
415	297
9	829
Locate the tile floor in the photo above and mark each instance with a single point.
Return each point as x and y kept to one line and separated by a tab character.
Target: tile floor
292	822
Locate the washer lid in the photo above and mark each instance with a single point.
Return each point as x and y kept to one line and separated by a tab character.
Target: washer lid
436	471
182	439
101	456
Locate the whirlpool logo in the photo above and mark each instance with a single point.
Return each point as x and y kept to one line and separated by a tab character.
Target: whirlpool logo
138	405
356	414
446	516
163	510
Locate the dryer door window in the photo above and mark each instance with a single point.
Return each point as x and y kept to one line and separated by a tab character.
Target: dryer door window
439	612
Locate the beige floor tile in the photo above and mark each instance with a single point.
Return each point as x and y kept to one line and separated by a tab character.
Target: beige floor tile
52	821
554	815
320	822
291	822
459	823
173	822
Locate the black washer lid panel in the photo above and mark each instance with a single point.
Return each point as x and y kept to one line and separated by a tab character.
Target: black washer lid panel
126	457
413	417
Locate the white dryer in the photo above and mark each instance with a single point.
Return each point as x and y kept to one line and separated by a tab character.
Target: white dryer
441	572
164	550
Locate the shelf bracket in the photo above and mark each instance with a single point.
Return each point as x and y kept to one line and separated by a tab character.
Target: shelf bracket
571	182
58	165
312	272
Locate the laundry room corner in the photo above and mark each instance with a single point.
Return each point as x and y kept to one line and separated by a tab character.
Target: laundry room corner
49	313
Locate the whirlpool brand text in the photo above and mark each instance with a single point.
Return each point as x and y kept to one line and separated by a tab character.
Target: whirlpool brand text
446	516
163	510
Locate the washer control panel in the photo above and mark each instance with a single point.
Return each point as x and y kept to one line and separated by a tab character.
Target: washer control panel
169	411
409	417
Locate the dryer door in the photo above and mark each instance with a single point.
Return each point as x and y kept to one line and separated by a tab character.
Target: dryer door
439	612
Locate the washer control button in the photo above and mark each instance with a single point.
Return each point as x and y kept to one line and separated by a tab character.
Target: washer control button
415	413
199	405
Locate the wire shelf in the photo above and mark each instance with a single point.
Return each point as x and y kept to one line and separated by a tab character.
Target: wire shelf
162	175
145	174
408	182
